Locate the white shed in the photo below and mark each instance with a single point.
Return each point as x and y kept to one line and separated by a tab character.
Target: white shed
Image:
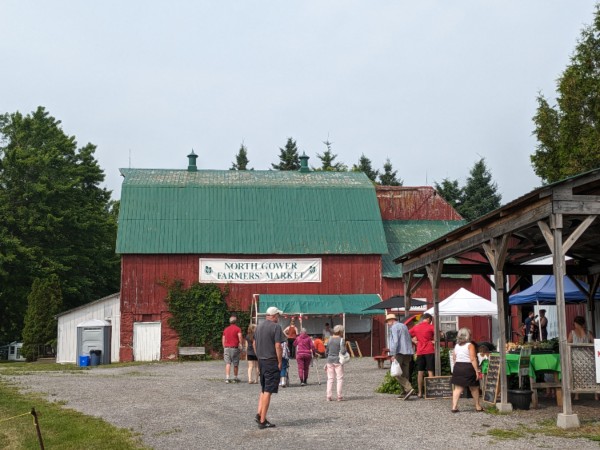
107	308
14	351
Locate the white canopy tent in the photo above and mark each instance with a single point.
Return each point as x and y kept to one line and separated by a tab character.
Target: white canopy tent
465	303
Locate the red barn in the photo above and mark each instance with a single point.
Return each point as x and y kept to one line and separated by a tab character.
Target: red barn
265	232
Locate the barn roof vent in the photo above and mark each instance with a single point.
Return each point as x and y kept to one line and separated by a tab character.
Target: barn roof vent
192	162
304	163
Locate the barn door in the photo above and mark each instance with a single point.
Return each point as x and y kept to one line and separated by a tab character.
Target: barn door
146	341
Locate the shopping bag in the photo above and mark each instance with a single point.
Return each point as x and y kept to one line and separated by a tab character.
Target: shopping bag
396	370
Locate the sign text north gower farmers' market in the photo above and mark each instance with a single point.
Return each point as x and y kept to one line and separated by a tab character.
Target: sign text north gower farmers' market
260	271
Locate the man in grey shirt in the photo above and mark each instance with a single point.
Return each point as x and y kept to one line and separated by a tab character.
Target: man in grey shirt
401	350
268	338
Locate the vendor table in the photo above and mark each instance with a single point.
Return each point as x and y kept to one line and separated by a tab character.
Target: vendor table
538	362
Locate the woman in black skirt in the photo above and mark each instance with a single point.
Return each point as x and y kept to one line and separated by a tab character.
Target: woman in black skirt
466	370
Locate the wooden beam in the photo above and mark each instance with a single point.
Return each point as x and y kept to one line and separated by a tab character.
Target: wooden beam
577	233
575	207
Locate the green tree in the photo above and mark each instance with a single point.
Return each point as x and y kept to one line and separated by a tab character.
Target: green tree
327	161
43	304
480	193
288	157
388	177
569	133
56	218
365	166
241	159
450	191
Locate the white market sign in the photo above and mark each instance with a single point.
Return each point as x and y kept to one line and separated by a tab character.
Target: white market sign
248	271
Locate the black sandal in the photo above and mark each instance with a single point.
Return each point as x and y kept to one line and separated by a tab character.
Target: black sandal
454	410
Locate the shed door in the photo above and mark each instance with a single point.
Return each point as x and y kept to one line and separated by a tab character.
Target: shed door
146	341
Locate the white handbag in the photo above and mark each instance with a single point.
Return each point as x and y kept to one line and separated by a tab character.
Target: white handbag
344	357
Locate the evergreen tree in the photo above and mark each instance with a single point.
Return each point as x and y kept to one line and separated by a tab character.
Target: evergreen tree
56	219
388	177
365	166
43	304
450	191
569	133
241	159
327	160
288	157
480	193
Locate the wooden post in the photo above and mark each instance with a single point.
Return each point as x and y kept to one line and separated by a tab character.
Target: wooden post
434	272
407	293
495	252
37	428
559	273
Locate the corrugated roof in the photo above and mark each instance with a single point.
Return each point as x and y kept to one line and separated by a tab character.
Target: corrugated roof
405	235
248	212
321	304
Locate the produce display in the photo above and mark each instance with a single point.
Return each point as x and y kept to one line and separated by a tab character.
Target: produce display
550	346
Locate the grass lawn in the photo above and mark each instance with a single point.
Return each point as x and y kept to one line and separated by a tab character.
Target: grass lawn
60	427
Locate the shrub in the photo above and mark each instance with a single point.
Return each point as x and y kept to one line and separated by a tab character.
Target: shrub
199	314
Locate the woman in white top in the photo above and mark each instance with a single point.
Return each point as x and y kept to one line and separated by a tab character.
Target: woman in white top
466	370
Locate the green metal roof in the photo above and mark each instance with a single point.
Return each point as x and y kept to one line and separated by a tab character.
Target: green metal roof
321	304
248	212
405	235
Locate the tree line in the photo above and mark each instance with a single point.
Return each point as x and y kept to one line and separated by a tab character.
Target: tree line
58	225
478	196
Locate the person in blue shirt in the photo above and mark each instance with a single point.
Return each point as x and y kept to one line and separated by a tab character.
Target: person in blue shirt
401	350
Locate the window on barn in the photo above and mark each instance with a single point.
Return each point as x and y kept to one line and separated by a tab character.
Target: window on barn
448	323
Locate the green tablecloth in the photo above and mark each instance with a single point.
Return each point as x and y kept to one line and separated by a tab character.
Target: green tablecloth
539	362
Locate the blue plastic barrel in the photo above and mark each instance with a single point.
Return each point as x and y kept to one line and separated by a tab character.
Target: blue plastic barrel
84	361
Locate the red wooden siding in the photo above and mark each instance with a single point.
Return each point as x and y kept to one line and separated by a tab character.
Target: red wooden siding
413	203
143	295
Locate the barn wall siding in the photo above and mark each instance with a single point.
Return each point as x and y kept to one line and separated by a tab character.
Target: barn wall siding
413	203
143	288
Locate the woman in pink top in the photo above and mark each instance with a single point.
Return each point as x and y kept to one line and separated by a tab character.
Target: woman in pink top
305	349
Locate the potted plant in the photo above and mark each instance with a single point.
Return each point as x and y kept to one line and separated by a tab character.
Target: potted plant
519	397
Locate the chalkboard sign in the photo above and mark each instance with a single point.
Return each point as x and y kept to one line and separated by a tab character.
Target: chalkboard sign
490	390
438	387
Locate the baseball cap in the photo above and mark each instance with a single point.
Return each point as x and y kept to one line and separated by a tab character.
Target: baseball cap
272	310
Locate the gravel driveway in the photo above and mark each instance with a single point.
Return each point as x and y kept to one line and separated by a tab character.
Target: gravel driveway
189	406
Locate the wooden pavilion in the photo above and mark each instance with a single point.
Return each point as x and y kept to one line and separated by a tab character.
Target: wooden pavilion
560	219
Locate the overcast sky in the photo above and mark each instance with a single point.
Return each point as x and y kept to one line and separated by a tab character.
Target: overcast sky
433	85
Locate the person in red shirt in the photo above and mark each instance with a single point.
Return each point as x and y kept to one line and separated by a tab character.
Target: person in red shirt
423	336
232	344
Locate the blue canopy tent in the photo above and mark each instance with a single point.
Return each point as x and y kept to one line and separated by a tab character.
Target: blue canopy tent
544	293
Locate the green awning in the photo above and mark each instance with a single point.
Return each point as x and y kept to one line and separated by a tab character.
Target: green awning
320	304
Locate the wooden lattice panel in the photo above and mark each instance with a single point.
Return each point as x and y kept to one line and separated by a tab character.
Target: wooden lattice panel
584	369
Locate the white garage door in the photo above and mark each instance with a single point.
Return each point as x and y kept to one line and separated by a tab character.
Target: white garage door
146	341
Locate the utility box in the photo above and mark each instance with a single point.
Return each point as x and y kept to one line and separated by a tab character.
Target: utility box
94	335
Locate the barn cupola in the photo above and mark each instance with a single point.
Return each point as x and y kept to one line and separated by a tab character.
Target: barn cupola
304	163
192	162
